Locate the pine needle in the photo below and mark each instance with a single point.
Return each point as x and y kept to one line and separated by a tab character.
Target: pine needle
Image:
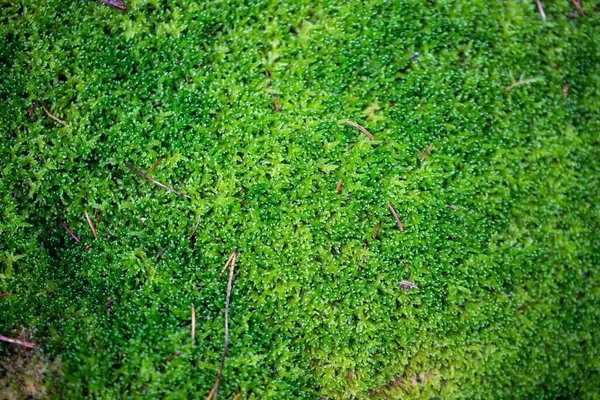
91	225
541	9
68	230
53	117
363	130
426	152
19	342
143	175
396	216
338	187
193	324
195	227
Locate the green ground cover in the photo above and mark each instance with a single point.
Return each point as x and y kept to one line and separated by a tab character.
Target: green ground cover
508	298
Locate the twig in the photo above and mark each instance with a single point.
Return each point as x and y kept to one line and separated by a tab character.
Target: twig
565	90
155	164
171	357
376	230
276	105
115	3
578	5
143	175
426	152
406	285
68	230
212	392
91	225
195	227
4	294
108	305
338	187
520	82
193	323
53	117
363	130
162	253
216	387
19	342
541	9
455	208
231	257
396	216
238	395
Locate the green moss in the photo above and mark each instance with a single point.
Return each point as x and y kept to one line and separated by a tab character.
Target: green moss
508	303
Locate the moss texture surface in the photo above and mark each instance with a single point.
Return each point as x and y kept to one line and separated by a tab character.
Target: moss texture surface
508	298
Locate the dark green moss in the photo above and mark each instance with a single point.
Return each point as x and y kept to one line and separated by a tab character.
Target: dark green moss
508	304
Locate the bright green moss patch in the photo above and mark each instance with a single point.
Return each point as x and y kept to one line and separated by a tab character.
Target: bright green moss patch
508	298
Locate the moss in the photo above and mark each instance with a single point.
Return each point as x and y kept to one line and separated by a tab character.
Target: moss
507	303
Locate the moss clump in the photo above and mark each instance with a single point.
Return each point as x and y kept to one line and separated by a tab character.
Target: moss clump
508	302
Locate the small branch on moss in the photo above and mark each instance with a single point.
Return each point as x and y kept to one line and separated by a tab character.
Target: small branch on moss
231	257
115	3
541	9
520	82
211	393
68	230
455	208
565	88
238	395
195	227
193	324
426	152
231	271
19	342
376	230
579	9
396	216
143	175
406	285
338	187
91	225
154	166
171	357
4	294
363	130
52	116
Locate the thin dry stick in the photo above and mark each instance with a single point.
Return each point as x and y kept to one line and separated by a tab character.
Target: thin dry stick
238	395
171	357
338	187
68	230
4	294
155	164
426	152
115	3
541	9
578	5
216	388
143	175
195	227
193	323
455	208
376	229
231	257
19	342
363	130
396	216
53	117
212	392
91	225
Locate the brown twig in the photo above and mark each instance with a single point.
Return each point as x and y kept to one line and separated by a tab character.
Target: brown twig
276	105
231	257
19	342
541	9
565	88
238	395
4	294
53	117
363	130
68	230
455	208
171	357
376	230
154	166
212	392
195	227
231	270
162	253
338	187
193	323
91	225
426	152
115	3
143	175
406	285
396	216
579	9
